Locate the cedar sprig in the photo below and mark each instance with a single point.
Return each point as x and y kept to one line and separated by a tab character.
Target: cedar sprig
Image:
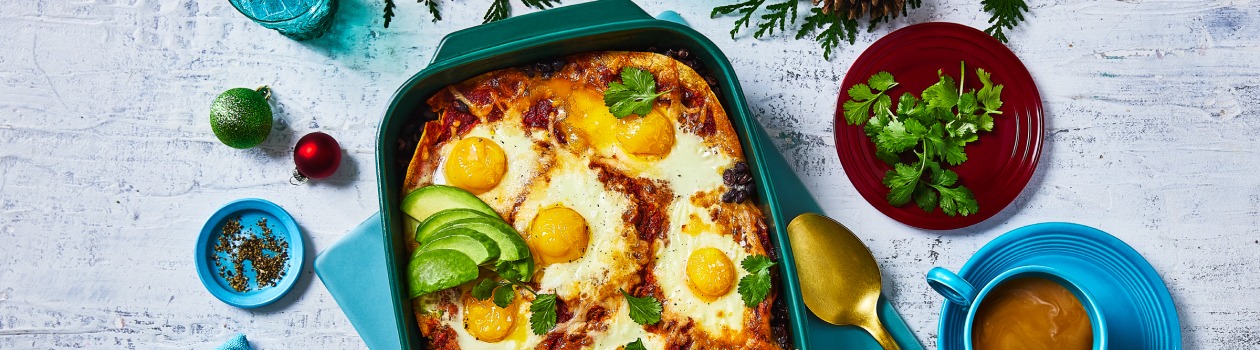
499	9
745	9
833	28
836	20
1006	14
389	12
778	16
433	9
502	9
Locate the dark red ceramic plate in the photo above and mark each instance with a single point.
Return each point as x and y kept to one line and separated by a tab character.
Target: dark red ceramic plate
999	164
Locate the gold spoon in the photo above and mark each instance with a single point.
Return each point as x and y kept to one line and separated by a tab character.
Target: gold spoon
840	280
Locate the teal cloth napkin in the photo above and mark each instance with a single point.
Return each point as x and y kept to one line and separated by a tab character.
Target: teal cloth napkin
237	342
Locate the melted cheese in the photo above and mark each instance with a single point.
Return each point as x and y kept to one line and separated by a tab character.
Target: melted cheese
520	337
524	160
577	187
622	330
725	313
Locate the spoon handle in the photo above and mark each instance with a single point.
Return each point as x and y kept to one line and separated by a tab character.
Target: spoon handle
876	329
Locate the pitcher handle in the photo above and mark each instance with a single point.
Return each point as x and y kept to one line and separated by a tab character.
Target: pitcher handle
951	286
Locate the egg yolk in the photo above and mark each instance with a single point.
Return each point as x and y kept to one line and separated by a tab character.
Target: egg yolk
710	273
650	135
558	234
489	322
476	164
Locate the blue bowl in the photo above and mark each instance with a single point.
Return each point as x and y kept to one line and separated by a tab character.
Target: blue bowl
250	211
1137	310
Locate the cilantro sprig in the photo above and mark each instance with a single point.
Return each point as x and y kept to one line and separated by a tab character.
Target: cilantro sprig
637	344
643	310
754	287
634	94
933	131
542	317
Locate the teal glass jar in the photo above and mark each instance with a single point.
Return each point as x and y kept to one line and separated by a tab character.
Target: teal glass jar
296	19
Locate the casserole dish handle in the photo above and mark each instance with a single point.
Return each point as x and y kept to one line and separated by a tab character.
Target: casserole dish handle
553	22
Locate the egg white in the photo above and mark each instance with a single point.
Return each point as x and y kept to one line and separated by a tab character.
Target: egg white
468	342
622	330
724	314
524	159
573	185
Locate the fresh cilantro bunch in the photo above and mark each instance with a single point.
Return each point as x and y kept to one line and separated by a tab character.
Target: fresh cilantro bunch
931	132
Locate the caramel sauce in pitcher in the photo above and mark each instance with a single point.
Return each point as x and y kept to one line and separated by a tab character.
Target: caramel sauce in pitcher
1031	313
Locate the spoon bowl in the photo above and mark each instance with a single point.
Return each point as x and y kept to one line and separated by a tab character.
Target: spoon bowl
840	280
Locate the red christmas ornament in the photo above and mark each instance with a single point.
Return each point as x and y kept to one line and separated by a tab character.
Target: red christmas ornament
316	156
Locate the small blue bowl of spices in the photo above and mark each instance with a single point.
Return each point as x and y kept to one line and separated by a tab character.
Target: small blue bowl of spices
249	253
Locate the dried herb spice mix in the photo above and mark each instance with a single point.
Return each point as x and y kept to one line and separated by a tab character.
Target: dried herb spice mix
267	254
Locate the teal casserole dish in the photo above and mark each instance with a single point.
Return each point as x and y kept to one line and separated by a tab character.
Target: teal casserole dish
599	26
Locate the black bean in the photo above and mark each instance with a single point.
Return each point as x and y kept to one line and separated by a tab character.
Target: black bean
557	64
543	67
741	167
729	196
741	195
743	179
460	106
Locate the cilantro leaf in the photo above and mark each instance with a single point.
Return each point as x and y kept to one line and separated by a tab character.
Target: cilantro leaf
637	344
944	177
882	106
482	289
861	92
897	136
986	122
967	103
634	94
503	296
901	182
754	287
875	124
943	94
861	98
989	96
507	270
925	197
882	81
957	201
953	152
907	104
756	263
542	318
645	310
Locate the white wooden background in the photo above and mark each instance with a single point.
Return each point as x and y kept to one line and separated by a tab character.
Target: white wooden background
109	167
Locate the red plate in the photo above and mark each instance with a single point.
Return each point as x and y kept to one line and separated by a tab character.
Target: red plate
999	164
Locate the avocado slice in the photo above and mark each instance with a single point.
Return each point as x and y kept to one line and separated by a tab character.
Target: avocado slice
511	246
425	201
439	219
476	245
439	269
411	226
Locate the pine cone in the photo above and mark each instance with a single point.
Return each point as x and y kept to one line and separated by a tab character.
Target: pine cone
857	8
